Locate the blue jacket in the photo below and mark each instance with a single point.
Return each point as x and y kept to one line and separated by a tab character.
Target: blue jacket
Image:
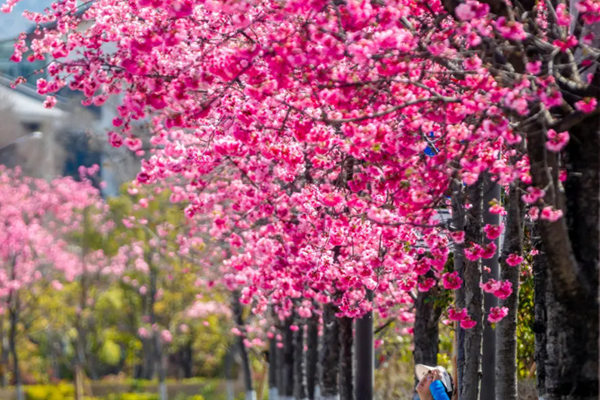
438	391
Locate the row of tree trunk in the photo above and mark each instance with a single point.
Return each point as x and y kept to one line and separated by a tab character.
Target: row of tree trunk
565	271
339	366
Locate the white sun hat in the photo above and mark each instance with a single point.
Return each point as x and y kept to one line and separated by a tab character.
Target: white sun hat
422	370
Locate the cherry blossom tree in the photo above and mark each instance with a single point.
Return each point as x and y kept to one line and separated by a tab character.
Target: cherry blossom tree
321	138
37	217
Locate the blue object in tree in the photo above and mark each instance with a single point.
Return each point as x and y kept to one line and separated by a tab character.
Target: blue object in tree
430	150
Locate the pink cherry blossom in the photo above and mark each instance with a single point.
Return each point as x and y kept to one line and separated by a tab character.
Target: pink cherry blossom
166	336
497	314
50	102
556	141
514	259
534	68
493	231
455	315
551	214
426	285
458	237
533	195
468	323
451	280
497	209
587	105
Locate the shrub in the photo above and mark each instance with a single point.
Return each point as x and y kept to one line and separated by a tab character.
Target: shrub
62	391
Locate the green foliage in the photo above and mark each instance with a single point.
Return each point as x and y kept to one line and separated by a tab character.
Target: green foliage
525	334
135	396
62	391
110	353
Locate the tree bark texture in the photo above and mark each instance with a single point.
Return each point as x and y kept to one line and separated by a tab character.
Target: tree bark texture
288	362
280	372
239	320
473	295
572	250
491	192
506	329
540	283
458	224
299	371
273	366
426	327
346	371
364	356
14	320
330	354
312	357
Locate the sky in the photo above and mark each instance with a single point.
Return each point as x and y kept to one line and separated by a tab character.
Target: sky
12	24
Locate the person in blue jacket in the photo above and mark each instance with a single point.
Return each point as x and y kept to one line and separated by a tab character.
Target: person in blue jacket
435	383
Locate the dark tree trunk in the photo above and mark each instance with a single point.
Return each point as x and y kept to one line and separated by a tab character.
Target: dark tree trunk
79	322
491	191
473	297
365	355
312	357
280	365
458	225
346	339
5	360
426	328
288	362
572	250
540	283
247	371
14	320
330	354
187	360
79	325
148	367
273	366
506	330
299	372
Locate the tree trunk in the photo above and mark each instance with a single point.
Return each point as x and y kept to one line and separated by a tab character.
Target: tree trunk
160	367
299	374
288	362
239	320
506	330
187	360
469	389
228	377
346	339
540	283
426	327
330	355
458	225
273	392
572	250
491	191
312	357
80	356
5	360
79	323
14	320
157	344
280	372
365	358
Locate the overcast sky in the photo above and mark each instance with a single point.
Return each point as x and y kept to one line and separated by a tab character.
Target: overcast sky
12	24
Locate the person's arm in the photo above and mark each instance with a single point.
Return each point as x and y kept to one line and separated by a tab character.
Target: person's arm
438	391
